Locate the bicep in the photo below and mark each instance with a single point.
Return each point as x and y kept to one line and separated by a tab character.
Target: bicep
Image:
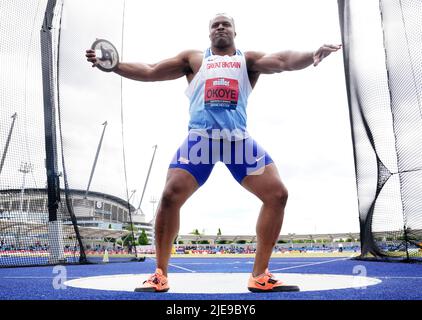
267	63
170	69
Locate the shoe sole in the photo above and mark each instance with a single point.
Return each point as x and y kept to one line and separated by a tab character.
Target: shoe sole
276	289
150	290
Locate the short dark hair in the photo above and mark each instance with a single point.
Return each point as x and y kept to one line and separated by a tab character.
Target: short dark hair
221	15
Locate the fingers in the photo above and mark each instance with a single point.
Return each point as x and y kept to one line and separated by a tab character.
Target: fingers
91	57
329	48
333	47
325	51
90	53
319	55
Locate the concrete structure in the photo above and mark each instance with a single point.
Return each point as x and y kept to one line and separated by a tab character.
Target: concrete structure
99	212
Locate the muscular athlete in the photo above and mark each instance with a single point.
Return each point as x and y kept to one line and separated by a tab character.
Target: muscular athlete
220	80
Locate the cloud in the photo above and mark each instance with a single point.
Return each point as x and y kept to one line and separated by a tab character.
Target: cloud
300	118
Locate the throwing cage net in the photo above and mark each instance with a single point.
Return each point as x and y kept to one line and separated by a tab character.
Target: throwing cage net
383	66
63	186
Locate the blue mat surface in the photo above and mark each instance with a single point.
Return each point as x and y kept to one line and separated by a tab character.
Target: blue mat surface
400	281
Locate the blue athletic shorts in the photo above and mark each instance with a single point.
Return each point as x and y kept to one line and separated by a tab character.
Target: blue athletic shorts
199	154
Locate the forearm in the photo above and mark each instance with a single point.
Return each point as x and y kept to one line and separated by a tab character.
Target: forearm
279	62
136	71
168	69
287	60
293	60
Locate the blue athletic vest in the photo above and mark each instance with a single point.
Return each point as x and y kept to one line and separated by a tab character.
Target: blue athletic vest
218	97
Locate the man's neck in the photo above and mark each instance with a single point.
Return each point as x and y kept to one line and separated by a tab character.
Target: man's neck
229	51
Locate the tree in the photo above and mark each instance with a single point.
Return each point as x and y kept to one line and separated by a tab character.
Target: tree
143	238
128	240
219	232
195	232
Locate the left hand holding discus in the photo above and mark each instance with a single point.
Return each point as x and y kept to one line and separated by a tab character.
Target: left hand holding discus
103	55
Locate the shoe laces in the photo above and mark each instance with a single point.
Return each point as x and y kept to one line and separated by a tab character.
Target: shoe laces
266	273
271	277
154	279
269	274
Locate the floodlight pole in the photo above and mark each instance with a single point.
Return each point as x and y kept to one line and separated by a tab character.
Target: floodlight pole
133	193
153	201
8	141
129	205
146	180
25	168
95	160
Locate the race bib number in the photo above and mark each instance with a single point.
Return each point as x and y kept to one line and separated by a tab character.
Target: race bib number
221	93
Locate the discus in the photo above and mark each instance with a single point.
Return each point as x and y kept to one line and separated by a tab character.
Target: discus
107	55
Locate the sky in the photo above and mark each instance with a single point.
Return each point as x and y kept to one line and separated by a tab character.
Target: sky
301	118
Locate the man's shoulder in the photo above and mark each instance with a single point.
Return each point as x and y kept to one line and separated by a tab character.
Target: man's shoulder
192	53
251	58
253	55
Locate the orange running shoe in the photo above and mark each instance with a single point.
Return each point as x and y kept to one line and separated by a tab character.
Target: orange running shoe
266	283
157	282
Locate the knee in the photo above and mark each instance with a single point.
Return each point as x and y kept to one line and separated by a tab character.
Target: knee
277	196
172	195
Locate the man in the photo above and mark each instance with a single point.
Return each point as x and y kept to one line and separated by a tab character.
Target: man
220	81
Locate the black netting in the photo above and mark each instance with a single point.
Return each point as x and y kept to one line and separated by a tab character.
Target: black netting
91	132
383	64
29	235
56	205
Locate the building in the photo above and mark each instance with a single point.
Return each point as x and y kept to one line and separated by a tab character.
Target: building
94	211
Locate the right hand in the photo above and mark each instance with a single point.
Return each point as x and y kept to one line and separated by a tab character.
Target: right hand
324	51
91	57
